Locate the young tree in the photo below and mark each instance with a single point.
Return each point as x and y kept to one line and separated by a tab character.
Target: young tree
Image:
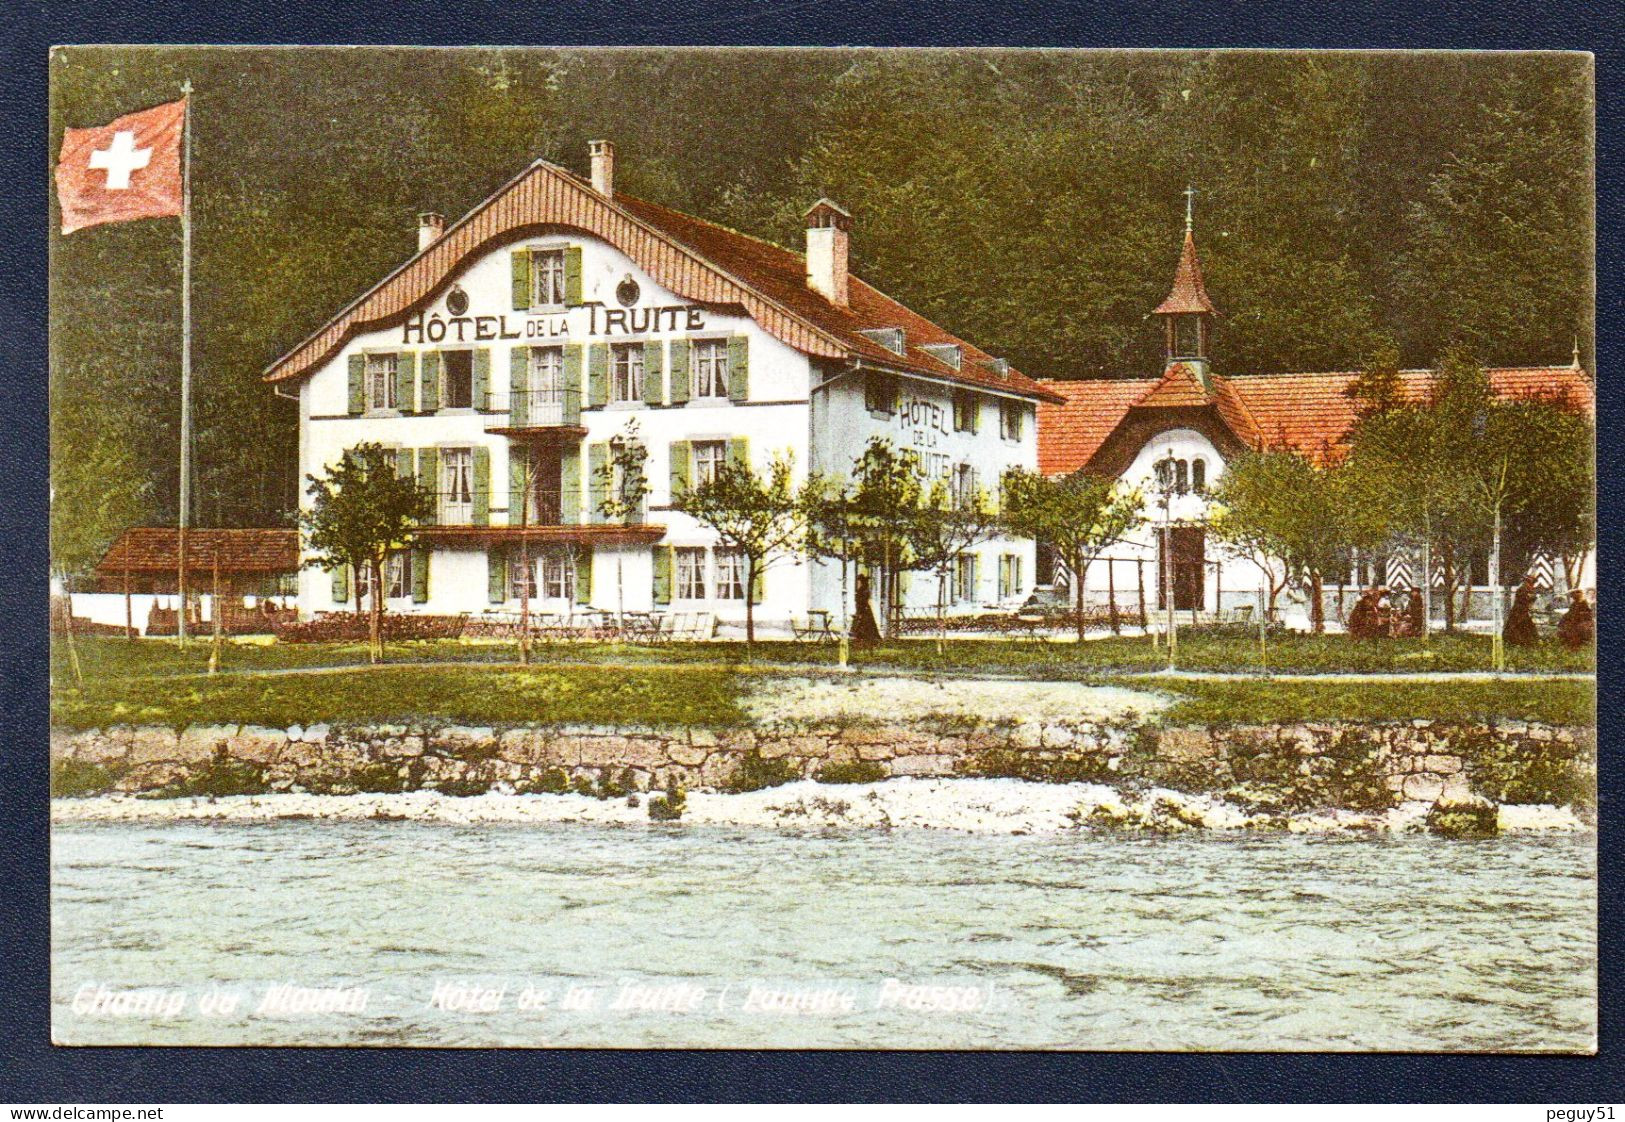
946	526
1286	513
886	499
1079	515
762	516
624	486
361	509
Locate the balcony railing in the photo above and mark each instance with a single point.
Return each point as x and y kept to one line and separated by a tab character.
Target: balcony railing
548	506
544	408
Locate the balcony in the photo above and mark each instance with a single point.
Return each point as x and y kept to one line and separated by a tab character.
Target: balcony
551	412
555	515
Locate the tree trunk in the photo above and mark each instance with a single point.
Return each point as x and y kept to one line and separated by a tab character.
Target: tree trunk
750	604
1078	571
1317	609
1111	595
375	629
1139	577
67	631
1449	561
129	607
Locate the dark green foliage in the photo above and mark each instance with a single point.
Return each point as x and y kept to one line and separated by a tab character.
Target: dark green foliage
72	779
859	771
553	781
466	787
1528	772
1463	820
753	773
379	778
220	777
670	806
1068	767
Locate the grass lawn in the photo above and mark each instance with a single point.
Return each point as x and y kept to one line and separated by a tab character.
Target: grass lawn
701	684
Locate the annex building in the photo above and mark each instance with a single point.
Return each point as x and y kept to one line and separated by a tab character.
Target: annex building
1171	436
506	358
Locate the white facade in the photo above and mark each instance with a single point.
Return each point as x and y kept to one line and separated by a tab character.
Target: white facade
456	422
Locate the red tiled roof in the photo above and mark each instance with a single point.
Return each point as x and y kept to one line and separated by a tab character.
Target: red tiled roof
693	258
1310	413
156	549
1188	294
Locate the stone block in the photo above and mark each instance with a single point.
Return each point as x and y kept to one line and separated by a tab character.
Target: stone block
147	745
689	754
1422	787
1027	734
258	744
923	765
1444	765
871	751
1185	745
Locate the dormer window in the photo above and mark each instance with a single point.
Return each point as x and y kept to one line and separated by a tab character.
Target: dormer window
950	354
892	338
999	366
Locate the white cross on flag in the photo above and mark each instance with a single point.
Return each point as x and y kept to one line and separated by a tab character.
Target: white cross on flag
129	168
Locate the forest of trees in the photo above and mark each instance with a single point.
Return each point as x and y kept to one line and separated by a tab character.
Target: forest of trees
1028	201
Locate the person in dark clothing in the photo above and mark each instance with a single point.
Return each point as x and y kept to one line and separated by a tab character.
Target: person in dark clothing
864	631
1519	629
1363	617
1578	627
1413	625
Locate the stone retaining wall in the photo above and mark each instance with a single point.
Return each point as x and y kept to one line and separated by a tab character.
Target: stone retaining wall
1330	764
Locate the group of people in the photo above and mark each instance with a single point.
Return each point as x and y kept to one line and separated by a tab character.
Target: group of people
1376	616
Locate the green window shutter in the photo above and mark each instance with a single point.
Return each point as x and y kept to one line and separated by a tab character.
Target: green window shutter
597	457
739	451
681	467
403	463
482	378
420	576
679	371
654	371
482	486
976	576
598	374
429	476
341	584
738	367
570	486
572	384
572	274
518	382
584	576
496	573
518	462
405	380
521	280
662	573
429	383
358	375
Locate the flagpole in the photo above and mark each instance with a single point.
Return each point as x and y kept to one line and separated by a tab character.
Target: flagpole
186	348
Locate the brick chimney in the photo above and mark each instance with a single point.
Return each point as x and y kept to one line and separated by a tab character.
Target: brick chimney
603	167
430	227
827	248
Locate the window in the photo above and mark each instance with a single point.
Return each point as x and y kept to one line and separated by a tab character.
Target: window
710	362
690	564
730	581
521	577
966	411
457	380
547	278
381	381
558	577
880	392
1010	420
1182	476
1199	476
966	589
964	486
1009	576
457	486
626	372
395	578
708	456
546	386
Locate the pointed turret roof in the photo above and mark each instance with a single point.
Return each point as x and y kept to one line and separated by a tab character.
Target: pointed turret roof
1189	294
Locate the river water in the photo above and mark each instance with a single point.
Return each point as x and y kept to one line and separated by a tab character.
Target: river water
670	936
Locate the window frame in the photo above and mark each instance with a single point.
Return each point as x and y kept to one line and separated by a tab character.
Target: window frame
538	274
965	579
967	411
716	452
382	375
688	573
715	367
557	571
521	573
397	578
1011	421
728	584
634	373
881	392
450	510
445	376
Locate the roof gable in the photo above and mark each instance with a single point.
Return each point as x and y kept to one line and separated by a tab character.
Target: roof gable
1189	293
697	260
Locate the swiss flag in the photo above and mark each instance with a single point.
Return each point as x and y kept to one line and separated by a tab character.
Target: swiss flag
129	168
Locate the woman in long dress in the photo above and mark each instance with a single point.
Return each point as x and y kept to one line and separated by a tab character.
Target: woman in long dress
864	631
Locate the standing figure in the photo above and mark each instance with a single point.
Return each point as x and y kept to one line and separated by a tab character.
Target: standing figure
864	631
1363	616
1384	613
1414	625
1519	630
1578	627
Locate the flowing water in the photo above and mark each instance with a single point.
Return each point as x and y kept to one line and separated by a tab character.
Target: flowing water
650	936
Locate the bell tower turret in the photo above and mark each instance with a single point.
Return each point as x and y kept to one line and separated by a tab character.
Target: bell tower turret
1187	312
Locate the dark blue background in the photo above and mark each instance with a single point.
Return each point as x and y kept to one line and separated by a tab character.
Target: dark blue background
34	1071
